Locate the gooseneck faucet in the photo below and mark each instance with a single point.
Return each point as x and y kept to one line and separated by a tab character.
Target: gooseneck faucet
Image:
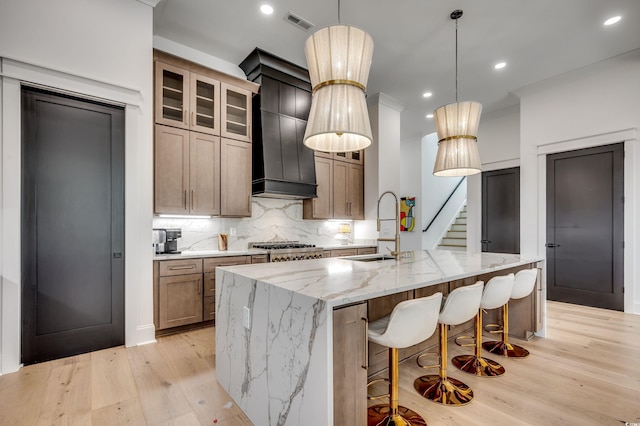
396	252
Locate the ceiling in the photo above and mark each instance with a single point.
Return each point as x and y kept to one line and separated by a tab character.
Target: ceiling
415	42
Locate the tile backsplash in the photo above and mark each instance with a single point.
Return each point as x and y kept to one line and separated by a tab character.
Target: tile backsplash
271	220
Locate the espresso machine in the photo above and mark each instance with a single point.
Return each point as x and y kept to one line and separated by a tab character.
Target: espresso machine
165	241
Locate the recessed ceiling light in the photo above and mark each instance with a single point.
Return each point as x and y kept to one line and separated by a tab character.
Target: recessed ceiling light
266	9
500	65
427	94
612	20
429	115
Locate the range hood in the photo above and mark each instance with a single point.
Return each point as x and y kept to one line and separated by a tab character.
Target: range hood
282	166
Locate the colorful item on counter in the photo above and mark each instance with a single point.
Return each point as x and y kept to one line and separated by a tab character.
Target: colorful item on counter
407	221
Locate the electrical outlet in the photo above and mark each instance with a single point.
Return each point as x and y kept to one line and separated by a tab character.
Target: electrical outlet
246	317
319	230
232	232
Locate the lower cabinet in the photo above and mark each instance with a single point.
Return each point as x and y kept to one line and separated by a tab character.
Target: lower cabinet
180	300
350	365
184	290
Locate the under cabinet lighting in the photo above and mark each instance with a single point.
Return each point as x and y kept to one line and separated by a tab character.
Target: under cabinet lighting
184	216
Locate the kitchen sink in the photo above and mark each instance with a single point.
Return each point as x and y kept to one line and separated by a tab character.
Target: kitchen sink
370	257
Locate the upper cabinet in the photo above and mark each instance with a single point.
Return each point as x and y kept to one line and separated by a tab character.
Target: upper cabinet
236	113
202	144
186	99
340	179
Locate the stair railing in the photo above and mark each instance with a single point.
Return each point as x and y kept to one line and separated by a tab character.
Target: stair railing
444	204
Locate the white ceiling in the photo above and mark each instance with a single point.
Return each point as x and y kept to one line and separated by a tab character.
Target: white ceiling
415	42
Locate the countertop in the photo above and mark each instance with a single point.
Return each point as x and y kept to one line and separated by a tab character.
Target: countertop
190	254
340	281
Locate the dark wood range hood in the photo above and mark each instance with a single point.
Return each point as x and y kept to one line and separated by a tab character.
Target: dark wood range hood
282	166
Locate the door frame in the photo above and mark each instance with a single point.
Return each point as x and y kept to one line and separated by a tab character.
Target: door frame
139	327
628	136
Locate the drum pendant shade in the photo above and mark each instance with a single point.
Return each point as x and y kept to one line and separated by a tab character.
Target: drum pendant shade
339	59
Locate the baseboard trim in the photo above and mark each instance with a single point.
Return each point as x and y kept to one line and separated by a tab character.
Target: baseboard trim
146	334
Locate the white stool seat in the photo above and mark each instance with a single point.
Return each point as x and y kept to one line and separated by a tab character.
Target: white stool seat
525	282
461	304
410	322
497	292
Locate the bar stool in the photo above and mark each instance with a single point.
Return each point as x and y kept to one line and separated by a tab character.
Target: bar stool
525	282
460	306
410	322
496	294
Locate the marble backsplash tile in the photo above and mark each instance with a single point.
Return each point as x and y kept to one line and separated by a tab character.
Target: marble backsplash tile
271	220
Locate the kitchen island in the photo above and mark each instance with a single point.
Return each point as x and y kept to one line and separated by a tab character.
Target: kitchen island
275	325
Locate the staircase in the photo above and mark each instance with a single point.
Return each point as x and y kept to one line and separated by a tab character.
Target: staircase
456	237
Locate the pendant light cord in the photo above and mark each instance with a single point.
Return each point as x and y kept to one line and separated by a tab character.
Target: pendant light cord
456	59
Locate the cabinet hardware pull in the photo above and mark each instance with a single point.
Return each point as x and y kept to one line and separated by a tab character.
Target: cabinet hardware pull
193	199
184	199
365	364
184	116
193	118
249	203
177	268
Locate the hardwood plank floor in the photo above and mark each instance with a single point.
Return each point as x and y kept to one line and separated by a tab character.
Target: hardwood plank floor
586	372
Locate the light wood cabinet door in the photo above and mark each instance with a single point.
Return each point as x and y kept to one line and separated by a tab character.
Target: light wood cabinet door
204	104
171	174
235	178
180	300
355	197
236	112
322	206
204	174
344	252
171	95
340	190
349	365
367	250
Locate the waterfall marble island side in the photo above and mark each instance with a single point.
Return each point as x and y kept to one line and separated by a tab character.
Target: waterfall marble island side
274	323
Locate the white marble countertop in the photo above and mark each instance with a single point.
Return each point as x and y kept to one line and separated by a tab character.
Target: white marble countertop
208	253
340	281
190	254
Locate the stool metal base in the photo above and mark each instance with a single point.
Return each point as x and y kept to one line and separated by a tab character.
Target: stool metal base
506	349
447	391
478	366
380	415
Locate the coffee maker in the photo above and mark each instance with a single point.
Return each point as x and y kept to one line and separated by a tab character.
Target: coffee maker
165	241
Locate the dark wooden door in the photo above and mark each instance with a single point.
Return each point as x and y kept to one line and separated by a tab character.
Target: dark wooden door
72	226
585	226
501	211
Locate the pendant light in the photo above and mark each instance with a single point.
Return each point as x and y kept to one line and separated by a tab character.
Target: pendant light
339	59
457	129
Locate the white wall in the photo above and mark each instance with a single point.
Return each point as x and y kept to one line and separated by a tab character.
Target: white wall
435	190
593	106
411	186
95	48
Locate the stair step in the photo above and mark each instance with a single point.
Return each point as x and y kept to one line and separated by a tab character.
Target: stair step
446	247
461	242
461	221
463	214
456	234
459	227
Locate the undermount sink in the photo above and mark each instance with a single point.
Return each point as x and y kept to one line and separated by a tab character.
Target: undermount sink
370	257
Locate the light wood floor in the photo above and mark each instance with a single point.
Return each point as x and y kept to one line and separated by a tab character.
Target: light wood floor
586	372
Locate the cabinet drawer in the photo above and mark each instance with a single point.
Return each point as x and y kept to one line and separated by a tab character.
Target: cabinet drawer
259	258
209	305
209	284
344	252
367	250
180	267
211	263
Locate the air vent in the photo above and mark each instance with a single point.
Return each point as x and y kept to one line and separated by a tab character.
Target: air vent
303	24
